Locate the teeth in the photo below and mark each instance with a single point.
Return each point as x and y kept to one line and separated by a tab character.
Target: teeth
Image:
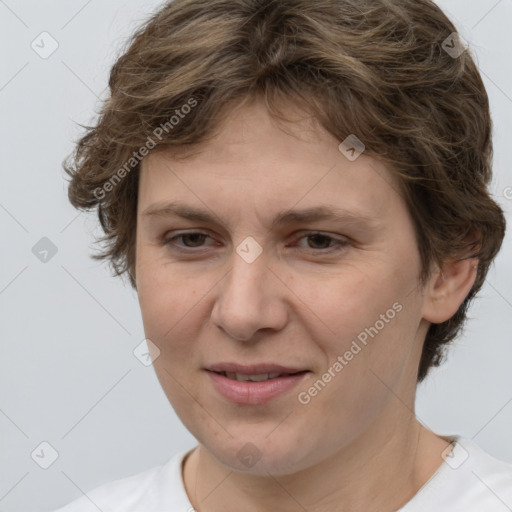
253	378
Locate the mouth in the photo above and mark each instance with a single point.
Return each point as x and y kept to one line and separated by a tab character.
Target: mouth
255	384
259	377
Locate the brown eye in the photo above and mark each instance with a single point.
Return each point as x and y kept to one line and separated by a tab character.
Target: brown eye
195	238
321	242
189	240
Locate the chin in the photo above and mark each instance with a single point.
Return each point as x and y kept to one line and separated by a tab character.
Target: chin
278	456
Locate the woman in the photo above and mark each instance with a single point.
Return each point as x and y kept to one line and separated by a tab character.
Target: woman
297	190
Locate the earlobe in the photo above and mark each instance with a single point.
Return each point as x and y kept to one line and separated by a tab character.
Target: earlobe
448	288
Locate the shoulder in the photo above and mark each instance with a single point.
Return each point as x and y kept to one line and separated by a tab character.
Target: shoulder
491	478
470	479
152	490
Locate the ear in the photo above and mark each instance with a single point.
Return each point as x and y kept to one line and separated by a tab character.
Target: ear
447	289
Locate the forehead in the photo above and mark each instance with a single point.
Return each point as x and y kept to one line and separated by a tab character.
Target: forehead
254	160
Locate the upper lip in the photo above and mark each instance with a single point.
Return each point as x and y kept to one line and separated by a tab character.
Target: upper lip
253	369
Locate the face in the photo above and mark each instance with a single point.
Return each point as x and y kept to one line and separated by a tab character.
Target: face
252	280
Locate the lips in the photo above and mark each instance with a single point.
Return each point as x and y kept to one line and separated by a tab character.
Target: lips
257	377
253	384
254	369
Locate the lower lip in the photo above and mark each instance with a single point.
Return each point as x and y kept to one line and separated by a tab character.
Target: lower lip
253	393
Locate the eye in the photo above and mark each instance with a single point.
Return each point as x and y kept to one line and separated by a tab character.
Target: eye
195	237
325	241
317	242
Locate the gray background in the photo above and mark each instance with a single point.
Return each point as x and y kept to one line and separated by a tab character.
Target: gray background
68	375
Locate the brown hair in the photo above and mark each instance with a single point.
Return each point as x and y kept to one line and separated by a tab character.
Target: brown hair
374	68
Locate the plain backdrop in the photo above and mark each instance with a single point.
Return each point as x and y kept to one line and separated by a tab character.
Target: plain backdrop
68	374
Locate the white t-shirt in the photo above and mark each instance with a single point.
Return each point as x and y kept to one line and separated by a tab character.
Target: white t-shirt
469	480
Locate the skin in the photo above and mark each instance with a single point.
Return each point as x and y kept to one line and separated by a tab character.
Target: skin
357	444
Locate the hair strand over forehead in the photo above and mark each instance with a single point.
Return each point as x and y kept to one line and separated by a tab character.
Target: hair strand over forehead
373	68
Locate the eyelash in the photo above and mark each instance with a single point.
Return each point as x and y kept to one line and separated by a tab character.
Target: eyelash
339	242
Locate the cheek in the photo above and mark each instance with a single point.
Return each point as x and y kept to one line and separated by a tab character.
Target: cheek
367	319
170	321
172	305
346	301
165	293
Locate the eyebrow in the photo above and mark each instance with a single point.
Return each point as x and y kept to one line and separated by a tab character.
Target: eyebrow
285	217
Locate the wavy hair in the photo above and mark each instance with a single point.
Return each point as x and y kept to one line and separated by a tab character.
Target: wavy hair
374	68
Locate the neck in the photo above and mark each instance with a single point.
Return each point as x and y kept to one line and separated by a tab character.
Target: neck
379	471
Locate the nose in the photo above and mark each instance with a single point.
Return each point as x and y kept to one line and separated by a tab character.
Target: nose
250	298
